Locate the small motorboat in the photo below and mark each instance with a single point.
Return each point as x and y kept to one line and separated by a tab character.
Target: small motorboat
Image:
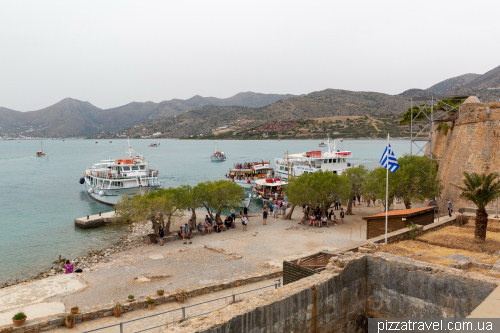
154	144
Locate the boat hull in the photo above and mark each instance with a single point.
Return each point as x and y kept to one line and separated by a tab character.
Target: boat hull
112	196
245	183
218	159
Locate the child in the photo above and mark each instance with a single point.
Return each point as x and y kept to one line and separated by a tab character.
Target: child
69	267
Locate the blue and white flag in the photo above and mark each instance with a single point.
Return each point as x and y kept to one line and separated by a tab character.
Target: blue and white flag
393	162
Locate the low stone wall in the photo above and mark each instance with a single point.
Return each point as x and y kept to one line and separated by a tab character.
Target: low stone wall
381	286
106	310
397	236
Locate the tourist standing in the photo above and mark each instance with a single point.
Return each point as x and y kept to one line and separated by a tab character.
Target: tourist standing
264	217
450	208
161	234
368	201
69	267
275	210
283	211
245	212
285	199
342	215
233	215
244	222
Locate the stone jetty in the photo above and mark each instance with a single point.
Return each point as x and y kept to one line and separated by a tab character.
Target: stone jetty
98	220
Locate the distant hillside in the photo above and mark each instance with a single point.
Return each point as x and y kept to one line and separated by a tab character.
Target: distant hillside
73	118
443	87
415	92
481	86
326	103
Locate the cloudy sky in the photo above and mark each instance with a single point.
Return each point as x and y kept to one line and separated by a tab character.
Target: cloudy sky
113	52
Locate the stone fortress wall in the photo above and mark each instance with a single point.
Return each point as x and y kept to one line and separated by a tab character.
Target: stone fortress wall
472	144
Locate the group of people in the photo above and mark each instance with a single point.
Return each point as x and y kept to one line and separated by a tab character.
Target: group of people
315	217
246	165
275	207
209	224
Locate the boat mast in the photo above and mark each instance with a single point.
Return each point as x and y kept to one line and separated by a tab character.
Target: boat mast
41	144
288	163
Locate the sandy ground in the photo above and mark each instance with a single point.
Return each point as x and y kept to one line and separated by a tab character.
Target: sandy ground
176	265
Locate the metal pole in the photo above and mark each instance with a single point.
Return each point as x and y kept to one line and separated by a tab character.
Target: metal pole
496	215
183	313
234	298
121	327
387	188
432	127
411	127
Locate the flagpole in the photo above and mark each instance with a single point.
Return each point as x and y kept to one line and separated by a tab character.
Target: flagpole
387	188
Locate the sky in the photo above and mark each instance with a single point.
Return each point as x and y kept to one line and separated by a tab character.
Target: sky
111	53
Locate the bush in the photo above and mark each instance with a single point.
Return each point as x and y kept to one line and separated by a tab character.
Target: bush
413	230
130	296
462	219
19	316
74	308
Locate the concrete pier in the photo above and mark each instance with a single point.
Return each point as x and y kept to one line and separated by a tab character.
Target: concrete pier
94	221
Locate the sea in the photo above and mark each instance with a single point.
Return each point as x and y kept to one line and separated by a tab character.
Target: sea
42	195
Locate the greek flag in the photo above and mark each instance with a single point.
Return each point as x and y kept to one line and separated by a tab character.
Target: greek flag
389	154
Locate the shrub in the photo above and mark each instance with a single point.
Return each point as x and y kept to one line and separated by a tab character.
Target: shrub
118	305
19	316
149	300
413	230
130	296
462	219
74	308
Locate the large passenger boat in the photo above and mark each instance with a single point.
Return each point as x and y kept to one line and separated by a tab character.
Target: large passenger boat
308	162
245	174
110	180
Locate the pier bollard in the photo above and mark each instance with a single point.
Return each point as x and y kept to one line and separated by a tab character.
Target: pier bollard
87	217
99	213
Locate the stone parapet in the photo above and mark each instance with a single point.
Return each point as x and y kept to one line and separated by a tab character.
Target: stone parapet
106	310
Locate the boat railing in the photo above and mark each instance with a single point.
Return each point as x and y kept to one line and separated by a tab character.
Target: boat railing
118	176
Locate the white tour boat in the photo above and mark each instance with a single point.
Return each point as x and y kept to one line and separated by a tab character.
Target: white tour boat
296	164
41	153
218	156
245	174
110	180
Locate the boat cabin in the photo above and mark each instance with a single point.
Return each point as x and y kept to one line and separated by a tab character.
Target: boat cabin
270	188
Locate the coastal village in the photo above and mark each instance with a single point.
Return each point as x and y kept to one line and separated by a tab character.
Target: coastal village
309	268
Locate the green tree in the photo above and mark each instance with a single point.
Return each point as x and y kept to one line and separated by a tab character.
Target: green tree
356	177
187	198
374	185
154	207
215	195
415	180
320	188
481	190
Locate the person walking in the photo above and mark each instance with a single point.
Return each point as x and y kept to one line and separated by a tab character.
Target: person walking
161	234
450	208
275	210
342	215
283	211
264	217
368	201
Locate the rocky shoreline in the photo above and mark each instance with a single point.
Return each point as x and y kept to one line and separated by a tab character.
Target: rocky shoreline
133	237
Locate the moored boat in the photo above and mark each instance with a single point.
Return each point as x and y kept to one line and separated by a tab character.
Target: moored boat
110	180
154	144
308	162
272	188
322	144
245	174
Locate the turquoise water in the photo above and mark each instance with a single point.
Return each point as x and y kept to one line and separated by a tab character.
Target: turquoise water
41	196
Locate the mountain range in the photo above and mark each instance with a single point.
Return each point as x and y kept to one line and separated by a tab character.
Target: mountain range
201	115
73	118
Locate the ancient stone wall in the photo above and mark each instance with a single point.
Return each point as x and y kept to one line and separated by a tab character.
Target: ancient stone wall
472	144
370	286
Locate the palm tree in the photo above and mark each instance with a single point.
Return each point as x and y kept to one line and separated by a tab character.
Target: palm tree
481	190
